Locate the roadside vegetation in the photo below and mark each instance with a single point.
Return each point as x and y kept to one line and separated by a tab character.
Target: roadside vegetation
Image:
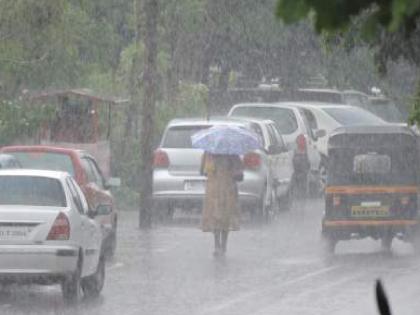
202	46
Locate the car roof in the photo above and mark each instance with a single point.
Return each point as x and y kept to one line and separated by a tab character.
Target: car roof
41	148
215	120
37	173
304	104
374	129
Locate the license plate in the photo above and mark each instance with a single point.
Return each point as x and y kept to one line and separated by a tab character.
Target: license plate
14	233
195	185
369	212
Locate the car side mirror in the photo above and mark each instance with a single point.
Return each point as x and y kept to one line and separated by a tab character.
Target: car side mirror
92	213
319	133
103	209
113	182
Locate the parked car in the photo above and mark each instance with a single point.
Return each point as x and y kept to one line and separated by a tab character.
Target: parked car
9	161
177	178
47	234
298	136
84	168
331	116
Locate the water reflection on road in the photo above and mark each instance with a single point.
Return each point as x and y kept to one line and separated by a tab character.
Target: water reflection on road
273	269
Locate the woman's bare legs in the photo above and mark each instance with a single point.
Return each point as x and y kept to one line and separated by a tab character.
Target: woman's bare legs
224	240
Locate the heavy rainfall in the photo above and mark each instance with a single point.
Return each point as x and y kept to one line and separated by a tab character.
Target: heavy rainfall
209	157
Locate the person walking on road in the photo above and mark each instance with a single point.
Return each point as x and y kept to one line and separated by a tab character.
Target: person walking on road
223	144
221	211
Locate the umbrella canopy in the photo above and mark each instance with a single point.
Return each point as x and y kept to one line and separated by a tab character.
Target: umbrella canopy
226	139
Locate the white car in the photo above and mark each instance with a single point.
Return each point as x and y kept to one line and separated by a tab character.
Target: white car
331	116
47	234
298	136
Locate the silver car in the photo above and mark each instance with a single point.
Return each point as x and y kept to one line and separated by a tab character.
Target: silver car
179	184
47	234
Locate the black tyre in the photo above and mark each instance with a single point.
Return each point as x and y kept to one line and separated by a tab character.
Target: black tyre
262	212
112	245
329	244
285	203
386	242
71	285
93	285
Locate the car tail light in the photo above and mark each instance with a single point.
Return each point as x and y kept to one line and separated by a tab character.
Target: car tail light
160	159
60	231
301	144
252	160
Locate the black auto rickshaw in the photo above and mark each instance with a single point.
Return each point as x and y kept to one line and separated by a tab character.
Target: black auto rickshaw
371	185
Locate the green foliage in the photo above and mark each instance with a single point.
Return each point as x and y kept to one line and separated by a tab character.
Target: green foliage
21	121
331	15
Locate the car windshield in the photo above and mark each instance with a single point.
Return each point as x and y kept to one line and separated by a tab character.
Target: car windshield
348	116
387	111
179	137
31	191
284	118
45	161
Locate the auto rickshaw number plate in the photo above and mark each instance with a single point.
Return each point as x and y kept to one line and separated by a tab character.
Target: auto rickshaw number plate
369	211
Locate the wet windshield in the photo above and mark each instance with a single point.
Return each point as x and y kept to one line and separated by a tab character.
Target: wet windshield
180	136
45	161
284	118
347	116
31	191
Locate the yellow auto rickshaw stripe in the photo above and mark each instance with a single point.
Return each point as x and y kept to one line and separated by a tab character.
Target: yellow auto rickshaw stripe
351	190
370	223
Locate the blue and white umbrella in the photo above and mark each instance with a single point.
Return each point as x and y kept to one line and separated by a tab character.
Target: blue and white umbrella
226	139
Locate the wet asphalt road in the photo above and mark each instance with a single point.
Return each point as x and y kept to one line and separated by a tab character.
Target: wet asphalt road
274	269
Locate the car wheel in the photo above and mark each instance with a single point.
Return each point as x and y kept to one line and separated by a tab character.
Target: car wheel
71	285
285	203
92	285
262	213
112	246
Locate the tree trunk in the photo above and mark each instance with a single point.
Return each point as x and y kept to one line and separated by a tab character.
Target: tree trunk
151	11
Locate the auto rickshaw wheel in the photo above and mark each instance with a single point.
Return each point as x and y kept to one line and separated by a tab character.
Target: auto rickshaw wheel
329	243
386	242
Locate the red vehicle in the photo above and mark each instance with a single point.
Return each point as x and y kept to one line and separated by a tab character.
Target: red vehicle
84	168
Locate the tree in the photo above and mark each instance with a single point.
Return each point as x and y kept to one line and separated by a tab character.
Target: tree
151	11
390	27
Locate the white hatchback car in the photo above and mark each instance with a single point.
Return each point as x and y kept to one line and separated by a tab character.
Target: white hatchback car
47	234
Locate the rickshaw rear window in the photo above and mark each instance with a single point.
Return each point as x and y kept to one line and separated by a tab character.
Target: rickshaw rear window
392	165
